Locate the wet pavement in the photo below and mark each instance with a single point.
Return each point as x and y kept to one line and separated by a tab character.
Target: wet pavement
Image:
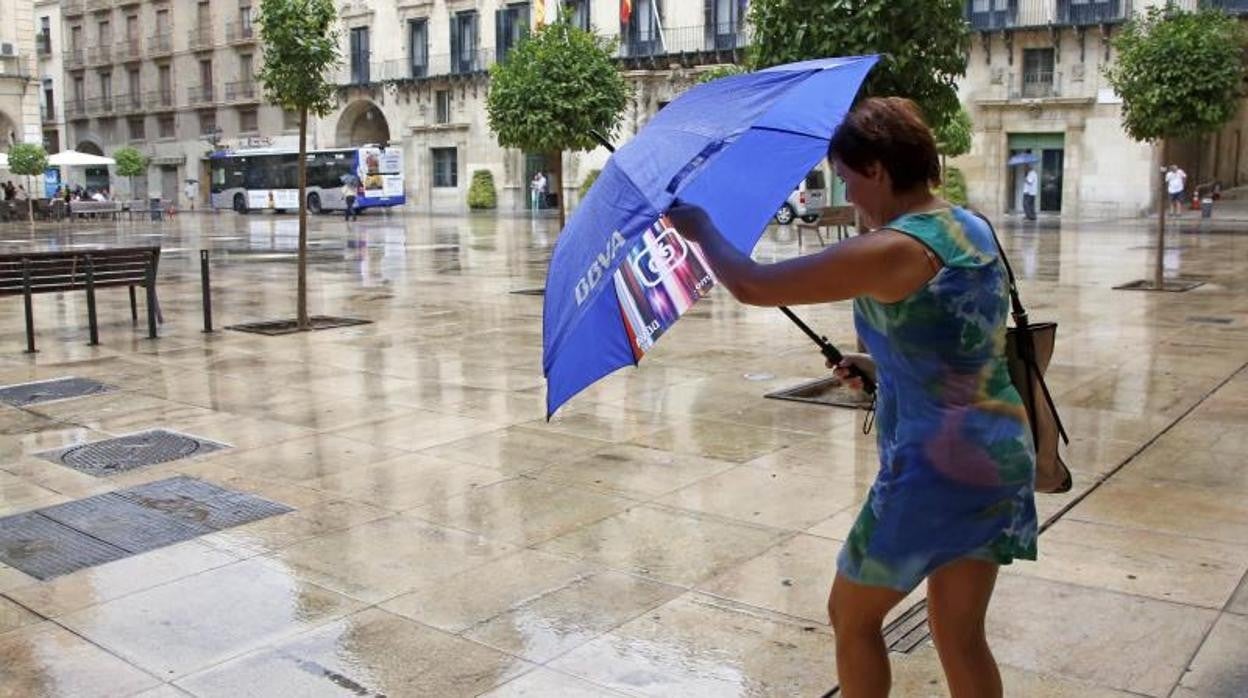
670	532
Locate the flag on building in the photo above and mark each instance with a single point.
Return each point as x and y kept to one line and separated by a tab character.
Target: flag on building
626	11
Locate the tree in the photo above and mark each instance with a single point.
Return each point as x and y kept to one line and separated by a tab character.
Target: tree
300	48
481	194
552	91
953	137
31	160
1179	76
923	43
130	164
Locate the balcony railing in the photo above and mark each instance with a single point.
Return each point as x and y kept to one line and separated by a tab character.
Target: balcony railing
160	43
43	44
241	91
240	32
100	105
200	37
200	94
1234	7
14	66
75	108
159	99
1035	85
47	114
441	65
129	49
74	58
100	54
987	15
128	102
685	40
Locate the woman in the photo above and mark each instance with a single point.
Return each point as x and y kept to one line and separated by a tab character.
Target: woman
953	499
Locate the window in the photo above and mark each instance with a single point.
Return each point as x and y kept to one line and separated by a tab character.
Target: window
132	28
203	16
418	47
75	37
464	42
244	19
205	80
445	172
106	85
641	32
578	13
135	126
723	23
207	123
79	89
248	122
511	25
45	35
105	34
49	102
443	99
133	85
166	127
359	56
245	67
1038	72
290	120
162	21
165	82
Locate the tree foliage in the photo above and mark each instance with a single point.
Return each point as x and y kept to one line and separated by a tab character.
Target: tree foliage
130	162
553	89
953	137
1178	73
590	178
29	159
722	71
481	194
300	47
923	43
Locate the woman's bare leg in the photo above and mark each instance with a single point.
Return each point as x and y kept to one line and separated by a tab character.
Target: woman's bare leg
857	615
957	603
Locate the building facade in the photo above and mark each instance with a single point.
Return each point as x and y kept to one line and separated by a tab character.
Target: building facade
19	93
1035	85
415	74
174	78
49	73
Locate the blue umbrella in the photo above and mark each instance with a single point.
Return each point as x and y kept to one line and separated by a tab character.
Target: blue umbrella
620	275
1023	159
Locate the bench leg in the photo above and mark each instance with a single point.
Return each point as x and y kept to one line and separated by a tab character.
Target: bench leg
92	326
150	287
134	307
30	310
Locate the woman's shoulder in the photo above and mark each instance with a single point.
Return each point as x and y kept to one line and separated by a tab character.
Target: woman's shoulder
959	237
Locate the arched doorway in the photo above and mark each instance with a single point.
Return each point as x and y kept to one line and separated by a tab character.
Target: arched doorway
362	122
92	177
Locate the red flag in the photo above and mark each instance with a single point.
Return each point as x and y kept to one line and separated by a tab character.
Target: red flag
626	11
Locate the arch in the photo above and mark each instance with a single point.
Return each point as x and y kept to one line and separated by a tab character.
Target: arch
362	122
89	146
8	131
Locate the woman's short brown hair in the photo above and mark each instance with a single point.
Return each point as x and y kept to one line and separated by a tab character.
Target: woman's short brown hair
890	131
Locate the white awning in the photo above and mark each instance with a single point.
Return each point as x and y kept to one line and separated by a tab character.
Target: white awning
73	158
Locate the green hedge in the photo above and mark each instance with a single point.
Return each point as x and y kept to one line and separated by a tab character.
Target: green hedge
481	194
590	178
954	188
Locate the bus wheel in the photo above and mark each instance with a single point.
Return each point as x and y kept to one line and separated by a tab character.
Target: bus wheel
314	203
240	203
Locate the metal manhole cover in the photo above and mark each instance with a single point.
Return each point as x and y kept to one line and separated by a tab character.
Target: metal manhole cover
101	458
829	392
24	394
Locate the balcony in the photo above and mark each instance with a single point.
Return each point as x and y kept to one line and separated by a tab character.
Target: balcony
97	106
200	95
70	8
1234	7
14	66
76	108
160	44
47	115
1035	85
157	100
129	50
128	103
43	44
241	91
100	54
240	32
686	41
442	65
990	15
200	37
74	58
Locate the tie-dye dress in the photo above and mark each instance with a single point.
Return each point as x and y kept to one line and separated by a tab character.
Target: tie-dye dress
957	464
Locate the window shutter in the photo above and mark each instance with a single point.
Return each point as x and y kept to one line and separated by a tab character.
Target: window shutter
454	44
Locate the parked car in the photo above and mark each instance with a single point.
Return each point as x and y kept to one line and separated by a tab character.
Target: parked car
806	201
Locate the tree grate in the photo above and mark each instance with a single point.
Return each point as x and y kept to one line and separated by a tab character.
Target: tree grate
26	394
273	328
67	537
103	458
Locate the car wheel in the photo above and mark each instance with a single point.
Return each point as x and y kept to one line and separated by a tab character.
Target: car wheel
314	203
240	203
785	215
810	217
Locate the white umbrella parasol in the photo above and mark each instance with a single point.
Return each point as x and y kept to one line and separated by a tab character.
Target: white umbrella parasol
73	158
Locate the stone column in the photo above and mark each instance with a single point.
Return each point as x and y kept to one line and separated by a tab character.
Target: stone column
1072	166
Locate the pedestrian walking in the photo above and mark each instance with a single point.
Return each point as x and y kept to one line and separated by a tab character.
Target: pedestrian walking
1176	185
1030	187
192	193
954	497
537	190
348	195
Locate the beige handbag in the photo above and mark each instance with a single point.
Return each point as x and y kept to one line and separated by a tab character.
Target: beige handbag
1028	348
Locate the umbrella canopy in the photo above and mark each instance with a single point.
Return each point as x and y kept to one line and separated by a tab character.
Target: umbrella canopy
619	275
4	161
1023	159
73	158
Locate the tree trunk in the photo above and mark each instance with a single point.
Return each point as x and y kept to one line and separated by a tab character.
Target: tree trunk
302	312
30	207
559	188
1159	270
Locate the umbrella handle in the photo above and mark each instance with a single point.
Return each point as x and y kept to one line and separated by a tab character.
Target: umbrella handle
833	355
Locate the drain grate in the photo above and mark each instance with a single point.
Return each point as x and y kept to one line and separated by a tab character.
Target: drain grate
274	328
829	392
908	631
1210	319
198	503
1171	286
539	291
24	394
67	537
101	458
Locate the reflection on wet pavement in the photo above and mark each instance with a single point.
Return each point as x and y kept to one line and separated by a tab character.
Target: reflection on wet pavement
670	532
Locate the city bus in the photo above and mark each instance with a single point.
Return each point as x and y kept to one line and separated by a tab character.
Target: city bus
268	179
